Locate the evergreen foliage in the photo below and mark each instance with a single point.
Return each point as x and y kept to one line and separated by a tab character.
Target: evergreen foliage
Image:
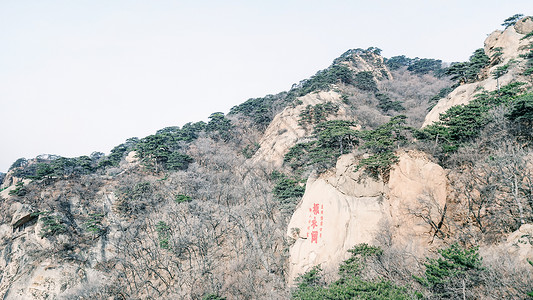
314	114
512	20
287	187
219	127
521	114
19	190
500	71
117	153
525	37
529	63
465	72
181	198
52	224
462	123
456	270
442	94
332	139
250	150
163	235
323	79
422	66
419	66
382	142
386	104
496	57
94	225
311	284
213	297
365	81
397	62
259	110
348	56
162	151
19	163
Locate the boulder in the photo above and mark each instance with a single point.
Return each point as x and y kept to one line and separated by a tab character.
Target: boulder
345	207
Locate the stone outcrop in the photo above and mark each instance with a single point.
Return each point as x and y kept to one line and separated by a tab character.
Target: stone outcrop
524	26
346	207
10	180
31	266
285	131
512	46
516	248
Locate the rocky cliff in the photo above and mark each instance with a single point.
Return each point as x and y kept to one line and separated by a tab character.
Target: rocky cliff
505	48
346	207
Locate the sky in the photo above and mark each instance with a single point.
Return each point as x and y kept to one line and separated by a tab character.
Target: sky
83	76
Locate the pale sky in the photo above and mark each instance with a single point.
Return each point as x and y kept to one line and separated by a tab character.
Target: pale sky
83	76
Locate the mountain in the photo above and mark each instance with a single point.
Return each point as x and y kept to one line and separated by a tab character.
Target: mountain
378	178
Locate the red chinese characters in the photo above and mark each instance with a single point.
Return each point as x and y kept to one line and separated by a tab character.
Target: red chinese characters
315	223
314	237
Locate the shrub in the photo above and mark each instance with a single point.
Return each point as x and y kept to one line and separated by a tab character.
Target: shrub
456	270
133	199
381	142
311	284
365	81
19	190
181	198
322	80
422	66
250	150
163	235
287	188
317	113
397	62
521	114
333	138
93	224
52	224
464	72
213	297
462	123
386	104
512	20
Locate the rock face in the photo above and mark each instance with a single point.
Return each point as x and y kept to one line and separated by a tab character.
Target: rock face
417	191
520	243
8	188
9	180
518	247
285	131
30	267
524	26
343	208
511	44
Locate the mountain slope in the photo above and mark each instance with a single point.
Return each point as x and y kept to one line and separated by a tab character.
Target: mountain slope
239	206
